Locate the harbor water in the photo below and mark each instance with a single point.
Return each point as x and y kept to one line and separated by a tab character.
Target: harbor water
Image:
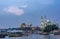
35	37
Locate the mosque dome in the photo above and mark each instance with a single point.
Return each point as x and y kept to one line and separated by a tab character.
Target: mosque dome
48	21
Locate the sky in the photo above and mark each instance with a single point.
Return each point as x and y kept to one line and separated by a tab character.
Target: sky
15	12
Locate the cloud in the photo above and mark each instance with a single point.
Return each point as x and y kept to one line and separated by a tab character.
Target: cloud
24	6
14	10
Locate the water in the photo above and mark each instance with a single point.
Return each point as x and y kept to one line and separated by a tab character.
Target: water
35	37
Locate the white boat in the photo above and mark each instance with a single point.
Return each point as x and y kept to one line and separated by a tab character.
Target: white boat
51	34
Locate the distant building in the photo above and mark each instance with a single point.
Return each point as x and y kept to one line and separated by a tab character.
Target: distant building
45	22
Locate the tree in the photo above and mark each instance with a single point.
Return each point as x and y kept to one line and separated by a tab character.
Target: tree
49	28
54	27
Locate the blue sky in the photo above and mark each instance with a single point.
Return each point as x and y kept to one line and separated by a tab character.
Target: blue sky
15	12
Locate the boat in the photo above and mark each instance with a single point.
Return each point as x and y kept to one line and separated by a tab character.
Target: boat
51	34
15	34
44	33
2	36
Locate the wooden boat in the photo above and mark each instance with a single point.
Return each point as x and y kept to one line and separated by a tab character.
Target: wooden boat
44	33
51	34
15	34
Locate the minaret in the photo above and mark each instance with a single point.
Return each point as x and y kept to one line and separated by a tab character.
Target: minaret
43	22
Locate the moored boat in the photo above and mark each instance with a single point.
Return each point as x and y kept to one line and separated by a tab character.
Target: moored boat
2	36
15	34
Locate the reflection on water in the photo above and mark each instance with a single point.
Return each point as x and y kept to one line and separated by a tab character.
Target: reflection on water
34	37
